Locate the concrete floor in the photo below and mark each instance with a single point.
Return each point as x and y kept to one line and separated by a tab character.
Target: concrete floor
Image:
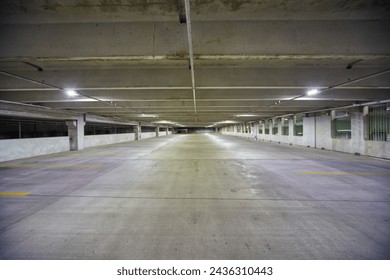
195	197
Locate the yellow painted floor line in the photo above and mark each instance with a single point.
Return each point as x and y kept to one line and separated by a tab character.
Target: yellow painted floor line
342	173
48	165
85	155
14	193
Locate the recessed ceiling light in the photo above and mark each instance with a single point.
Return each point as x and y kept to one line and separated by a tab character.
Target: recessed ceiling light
312	91
71	92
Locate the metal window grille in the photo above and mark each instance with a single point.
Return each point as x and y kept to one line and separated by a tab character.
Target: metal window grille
341	125
298	126
275	126
285	126
261	128
266	127
378	122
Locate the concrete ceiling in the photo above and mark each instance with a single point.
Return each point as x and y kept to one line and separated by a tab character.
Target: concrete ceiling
129	59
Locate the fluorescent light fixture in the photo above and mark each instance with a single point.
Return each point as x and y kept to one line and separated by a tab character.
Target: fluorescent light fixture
164	121
168	122
312	91
147	116
224	122
246	115
71	92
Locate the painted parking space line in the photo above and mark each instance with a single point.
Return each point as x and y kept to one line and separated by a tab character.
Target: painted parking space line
343	173
14	193
50	166
85	155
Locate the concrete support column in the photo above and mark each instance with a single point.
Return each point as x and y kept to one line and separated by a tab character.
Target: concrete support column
309	131
137	132
357	131
76	133
167	130
157	131
366	127
256	130
291	130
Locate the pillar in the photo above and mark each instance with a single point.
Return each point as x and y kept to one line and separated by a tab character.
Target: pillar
157	131
256	130
137	132
167	130
366	123
76	133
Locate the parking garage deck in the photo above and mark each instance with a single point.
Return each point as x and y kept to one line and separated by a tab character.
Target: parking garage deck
202	196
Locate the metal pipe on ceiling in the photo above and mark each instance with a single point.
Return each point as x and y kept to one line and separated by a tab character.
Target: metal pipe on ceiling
341	85
337	86
191	53
60	89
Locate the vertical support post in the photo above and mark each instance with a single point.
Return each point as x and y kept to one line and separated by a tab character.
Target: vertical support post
291	129
366	123
76	133
157	131
20	130
167	130
138	131
256	130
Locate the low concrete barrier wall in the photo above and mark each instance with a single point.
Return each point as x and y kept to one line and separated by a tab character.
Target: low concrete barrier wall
11	149
106	139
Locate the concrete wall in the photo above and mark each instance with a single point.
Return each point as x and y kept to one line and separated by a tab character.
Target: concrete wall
240	134
22	148
145	135
317	134
323	133
105	139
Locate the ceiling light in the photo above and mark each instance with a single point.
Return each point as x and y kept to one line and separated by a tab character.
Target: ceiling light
246	115
225	122
164	122
312	91
71	92
147	116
